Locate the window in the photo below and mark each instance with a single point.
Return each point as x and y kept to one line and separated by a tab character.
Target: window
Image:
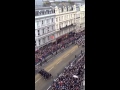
62	9
56	19
43	31
74	15
39	42
50	11
37	23
67	8
47	20
44	12
72	8
52	28
48	29
61	24
59	10
43	40
57	26
38	32
48	37
52	19
42	21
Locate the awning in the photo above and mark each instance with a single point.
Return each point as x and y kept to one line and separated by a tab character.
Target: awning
62	36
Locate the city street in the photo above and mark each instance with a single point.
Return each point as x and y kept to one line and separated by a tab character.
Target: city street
55	66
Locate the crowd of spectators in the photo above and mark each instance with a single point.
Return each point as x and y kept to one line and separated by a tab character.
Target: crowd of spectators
50	49
72	76
81	41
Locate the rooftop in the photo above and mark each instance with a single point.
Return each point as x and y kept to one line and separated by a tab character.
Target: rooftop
43	8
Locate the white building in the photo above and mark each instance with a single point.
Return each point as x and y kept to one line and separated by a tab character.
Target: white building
65	19
77	18
44	26
82	16
57	20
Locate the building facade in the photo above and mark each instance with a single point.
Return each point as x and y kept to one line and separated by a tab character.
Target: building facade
44	26
65	19
57	20
82	17
78	19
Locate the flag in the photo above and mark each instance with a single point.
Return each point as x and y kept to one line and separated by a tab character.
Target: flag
84	83
75	76
51	37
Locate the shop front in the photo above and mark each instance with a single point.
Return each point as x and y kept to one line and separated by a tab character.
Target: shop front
63	37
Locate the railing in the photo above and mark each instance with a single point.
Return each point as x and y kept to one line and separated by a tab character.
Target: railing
67	26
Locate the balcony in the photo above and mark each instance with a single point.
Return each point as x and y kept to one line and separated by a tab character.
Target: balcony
77	17
72	25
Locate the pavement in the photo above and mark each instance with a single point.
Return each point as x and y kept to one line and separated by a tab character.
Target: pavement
55	66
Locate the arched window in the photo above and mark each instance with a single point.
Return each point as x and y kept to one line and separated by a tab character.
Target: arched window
44	12
49	11
72	8
62	9
59	10
39	13
52	11
67	8
36	13
61	24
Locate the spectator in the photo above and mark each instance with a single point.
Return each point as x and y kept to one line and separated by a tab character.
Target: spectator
71	78
42	53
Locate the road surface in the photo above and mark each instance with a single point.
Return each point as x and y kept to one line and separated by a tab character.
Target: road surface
55	66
